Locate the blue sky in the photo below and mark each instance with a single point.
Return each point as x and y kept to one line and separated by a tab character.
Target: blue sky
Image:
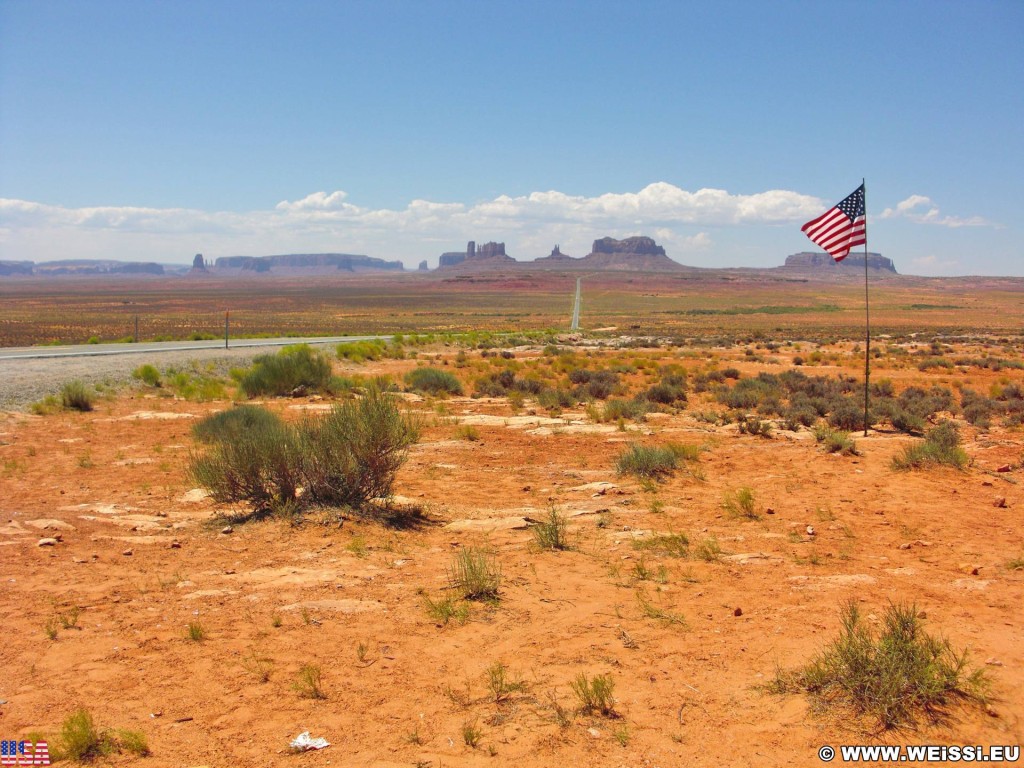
155	130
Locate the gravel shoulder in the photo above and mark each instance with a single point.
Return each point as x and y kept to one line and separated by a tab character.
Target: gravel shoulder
23	382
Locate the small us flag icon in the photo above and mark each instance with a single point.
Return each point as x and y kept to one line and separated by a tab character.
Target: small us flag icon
24	753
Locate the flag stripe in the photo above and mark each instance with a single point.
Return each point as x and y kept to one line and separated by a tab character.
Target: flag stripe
841	228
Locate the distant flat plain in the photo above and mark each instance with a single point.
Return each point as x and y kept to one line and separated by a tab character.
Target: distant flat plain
696	303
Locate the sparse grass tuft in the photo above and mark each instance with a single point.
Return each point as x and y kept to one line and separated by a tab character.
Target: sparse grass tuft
309	682
740	503
76	397
671	544
893	676
500	684
647	462
475	574
196	632
595	695
552	532
471	734
446	609
467	432
708	550
133	741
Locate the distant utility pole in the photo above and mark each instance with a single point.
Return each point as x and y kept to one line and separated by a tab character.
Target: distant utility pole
575	324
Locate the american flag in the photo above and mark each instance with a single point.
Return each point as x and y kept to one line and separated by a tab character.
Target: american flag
841	228
24	753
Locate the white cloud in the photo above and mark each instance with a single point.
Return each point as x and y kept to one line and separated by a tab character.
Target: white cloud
530	224
922	210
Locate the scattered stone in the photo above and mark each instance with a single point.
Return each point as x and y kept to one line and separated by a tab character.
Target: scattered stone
969	568
991	711
988	483
769	511
905	546
993	662
593	733
810	530
175	544
48	541
1004	468
922	614
738	612
127	553
227	529
1000	501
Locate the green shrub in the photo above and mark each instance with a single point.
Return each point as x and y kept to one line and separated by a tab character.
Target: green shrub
261	466
233	424
941	446
361	351
295	370
615	409
751	425
835	440
433	380
647	462
147	374
75	396
80	740
892	677
352	454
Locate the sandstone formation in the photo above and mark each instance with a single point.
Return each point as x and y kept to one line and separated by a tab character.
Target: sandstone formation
488	253
423	266
815	261
306	261
639	254
198	263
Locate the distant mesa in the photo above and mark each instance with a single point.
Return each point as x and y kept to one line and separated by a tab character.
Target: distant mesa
300	262
198	263
488	254
423	266
16	268
640	254
818	261
81	267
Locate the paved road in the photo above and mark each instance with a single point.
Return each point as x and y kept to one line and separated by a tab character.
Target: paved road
92	350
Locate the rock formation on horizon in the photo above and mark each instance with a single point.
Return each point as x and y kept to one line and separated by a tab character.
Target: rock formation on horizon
198	263
346	262
423	266
816	261
491	253
639	254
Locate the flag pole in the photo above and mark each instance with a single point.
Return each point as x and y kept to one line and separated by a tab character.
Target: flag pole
867	312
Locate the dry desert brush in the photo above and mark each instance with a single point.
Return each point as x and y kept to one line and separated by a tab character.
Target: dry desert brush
296	370
352	454
941	446
893	676
347	456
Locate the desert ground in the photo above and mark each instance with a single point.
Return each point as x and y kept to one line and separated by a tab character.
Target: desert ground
130	593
